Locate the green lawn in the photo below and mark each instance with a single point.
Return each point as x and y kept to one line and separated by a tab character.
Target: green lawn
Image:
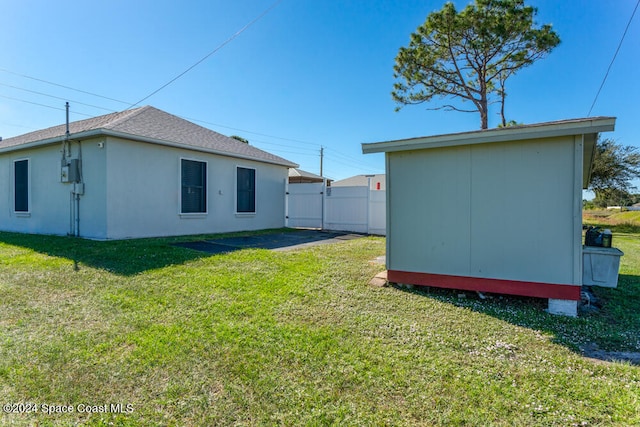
257	337
628	221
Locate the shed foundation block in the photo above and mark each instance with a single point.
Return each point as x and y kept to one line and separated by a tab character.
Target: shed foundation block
563	307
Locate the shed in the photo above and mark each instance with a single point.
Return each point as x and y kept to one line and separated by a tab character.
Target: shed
496	210
138	173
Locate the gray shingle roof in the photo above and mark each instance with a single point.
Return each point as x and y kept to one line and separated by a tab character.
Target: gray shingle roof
362	181
151	125
304	174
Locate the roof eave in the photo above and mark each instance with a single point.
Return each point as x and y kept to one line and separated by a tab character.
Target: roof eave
107	132
123	135
33	144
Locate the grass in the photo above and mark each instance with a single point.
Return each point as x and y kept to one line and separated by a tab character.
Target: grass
628	221
256	337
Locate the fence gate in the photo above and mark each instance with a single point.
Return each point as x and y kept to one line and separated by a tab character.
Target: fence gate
304	205
356	209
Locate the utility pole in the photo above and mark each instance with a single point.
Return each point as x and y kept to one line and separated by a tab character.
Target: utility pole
321	159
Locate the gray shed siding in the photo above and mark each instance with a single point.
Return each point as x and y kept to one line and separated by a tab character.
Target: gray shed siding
502	210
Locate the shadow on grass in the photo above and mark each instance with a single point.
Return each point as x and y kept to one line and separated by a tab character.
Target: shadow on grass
121	257
275	241
609	330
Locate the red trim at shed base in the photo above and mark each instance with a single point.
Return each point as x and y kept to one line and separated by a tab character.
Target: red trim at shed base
498	286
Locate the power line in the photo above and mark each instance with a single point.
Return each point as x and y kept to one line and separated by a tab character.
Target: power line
251	132
282	145
310	151
297	141
43	105
370	169
347	157
123	102
277	150
333	158
17	126
614	58
57	97
62	86
186	118
226	42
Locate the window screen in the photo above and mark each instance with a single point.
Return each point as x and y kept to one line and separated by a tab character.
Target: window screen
246	188
194	186
21	182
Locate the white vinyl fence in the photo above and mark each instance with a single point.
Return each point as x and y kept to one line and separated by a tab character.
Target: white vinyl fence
304	205
378	212
347	209
355	209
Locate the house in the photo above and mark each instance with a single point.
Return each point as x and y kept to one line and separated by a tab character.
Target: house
496	210
375	181
137	173
299	176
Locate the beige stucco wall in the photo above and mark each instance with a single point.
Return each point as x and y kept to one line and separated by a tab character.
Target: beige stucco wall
132	189
93	204
507	210
49	198
143	190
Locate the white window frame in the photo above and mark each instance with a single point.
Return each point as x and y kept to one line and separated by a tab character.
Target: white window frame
26	213
255	193
206	190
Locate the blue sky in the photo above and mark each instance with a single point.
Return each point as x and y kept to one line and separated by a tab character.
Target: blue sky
310	73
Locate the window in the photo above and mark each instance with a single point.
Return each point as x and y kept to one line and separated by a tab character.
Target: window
194	186
246	190
21	185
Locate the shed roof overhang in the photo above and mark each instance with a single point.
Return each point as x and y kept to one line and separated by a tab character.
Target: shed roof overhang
587	127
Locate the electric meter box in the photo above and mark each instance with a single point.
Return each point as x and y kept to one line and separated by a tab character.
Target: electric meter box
71	171
64	174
